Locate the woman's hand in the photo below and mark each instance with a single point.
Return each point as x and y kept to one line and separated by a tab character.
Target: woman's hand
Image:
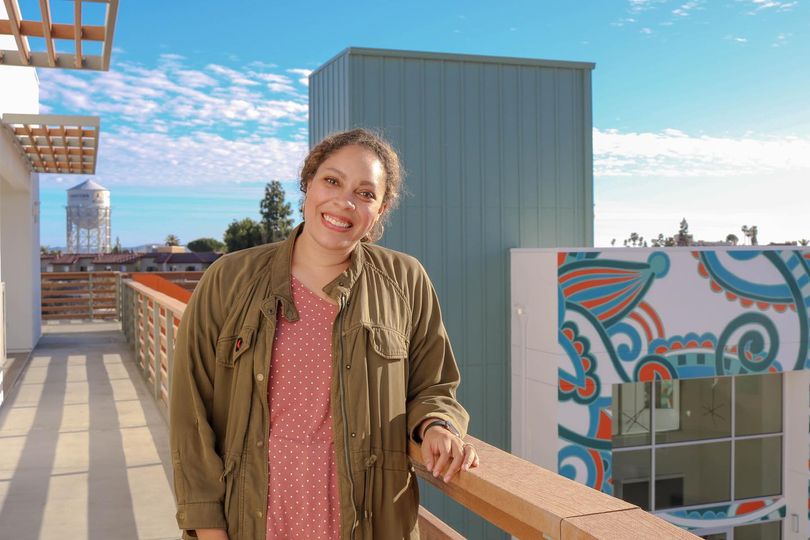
443	451
212	534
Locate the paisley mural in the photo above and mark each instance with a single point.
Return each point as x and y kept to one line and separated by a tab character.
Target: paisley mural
665	315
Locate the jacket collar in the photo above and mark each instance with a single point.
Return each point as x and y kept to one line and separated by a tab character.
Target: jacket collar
280	288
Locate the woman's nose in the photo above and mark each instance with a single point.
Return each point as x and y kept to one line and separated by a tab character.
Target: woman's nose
350	204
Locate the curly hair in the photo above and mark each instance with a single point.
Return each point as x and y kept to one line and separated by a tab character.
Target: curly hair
370	140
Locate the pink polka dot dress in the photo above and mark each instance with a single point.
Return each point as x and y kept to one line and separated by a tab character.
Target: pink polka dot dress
303	492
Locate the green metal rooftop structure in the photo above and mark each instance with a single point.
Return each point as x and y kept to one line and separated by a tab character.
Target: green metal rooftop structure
498	155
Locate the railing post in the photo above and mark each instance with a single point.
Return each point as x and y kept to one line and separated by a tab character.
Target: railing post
169	352
145	315
118	296
90	289
126	311
156	346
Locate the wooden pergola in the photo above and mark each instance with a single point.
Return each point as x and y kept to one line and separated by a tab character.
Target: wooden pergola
45	28
56	144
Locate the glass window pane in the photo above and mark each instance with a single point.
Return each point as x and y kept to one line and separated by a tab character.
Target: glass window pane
758	467
692	409
631	477
631	414
771	530
697	474
758	403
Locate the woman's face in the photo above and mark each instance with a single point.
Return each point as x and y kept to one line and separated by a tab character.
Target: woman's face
345	198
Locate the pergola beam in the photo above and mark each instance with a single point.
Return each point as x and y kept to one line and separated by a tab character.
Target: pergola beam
14	19
58	30
50	146
109	24
45	8
51	31
78	34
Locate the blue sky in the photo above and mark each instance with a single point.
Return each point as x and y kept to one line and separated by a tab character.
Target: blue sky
700	108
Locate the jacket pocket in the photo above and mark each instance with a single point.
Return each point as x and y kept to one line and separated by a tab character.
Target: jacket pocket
388	343
387	384
230	348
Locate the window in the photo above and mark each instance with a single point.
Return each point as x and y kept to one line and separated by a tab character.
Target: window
702	441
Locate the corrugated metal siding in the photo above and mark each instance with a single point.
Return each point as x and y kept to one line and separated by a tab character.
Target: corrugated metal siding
498	155
329	99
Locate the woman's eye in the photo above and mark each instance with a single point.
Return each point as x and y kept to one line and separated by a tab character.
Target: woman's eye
330	180
368	195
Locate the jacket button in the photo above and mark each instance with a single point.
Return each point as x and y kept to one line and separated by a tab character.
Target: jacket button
260	443
348	366
260	377
181	515
258	514
354	434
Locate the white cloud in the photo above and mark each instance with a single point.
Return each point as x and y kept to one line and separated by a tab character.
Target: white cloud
674	153
181	97
685	9
624	21
303	74
234	76
780	40
130	157
174	124
648	182
637	6
775	5
646	31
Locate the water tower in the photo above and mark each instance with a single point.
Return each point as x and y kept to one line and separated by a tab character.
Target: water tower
88	218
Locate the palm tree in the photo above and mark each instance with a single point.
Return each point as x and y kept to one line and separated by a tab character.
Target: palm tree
172	240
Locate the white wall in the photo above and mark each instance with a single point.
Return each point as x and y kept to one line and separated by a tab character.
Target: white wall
536	353
19	86
19	263
796	453
19	211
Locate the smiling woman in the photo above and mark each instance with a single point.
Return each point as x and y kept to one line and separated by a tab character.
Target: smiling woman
304	367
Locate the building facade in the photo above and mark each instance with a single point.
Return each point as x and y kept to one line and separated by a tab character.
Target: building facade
675	378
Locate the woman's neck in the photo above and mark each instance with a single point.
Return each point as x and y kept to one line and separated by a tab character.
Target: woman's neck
315	266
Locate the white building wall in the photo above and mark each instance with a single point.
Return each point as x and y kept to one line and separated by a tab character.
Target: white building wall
585	319
19	264
796	479
535	353
19	211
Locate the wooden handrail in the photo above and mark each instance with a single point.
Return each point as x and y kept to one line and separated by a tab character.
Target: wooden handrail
517	496
528	501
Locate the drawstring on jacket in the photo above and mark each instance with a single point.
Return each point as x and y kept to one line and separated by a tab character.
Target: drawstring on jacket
369	463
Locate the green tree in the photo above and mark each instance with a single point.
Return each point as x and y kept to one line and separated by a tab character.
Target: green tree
172	240
243	234
205	244
751	233
732	239
276	212
663	241
683	236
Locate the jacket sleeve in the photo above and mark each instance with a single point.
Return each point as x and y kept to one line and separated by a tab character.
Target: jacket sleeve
433	372
198	468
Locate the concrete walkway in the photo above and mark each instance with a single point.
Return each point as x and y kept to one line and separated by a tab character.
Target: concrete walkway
83	447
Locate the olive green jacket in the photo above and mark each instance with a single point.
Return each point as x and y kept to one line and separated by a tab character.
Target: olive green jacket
392	368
